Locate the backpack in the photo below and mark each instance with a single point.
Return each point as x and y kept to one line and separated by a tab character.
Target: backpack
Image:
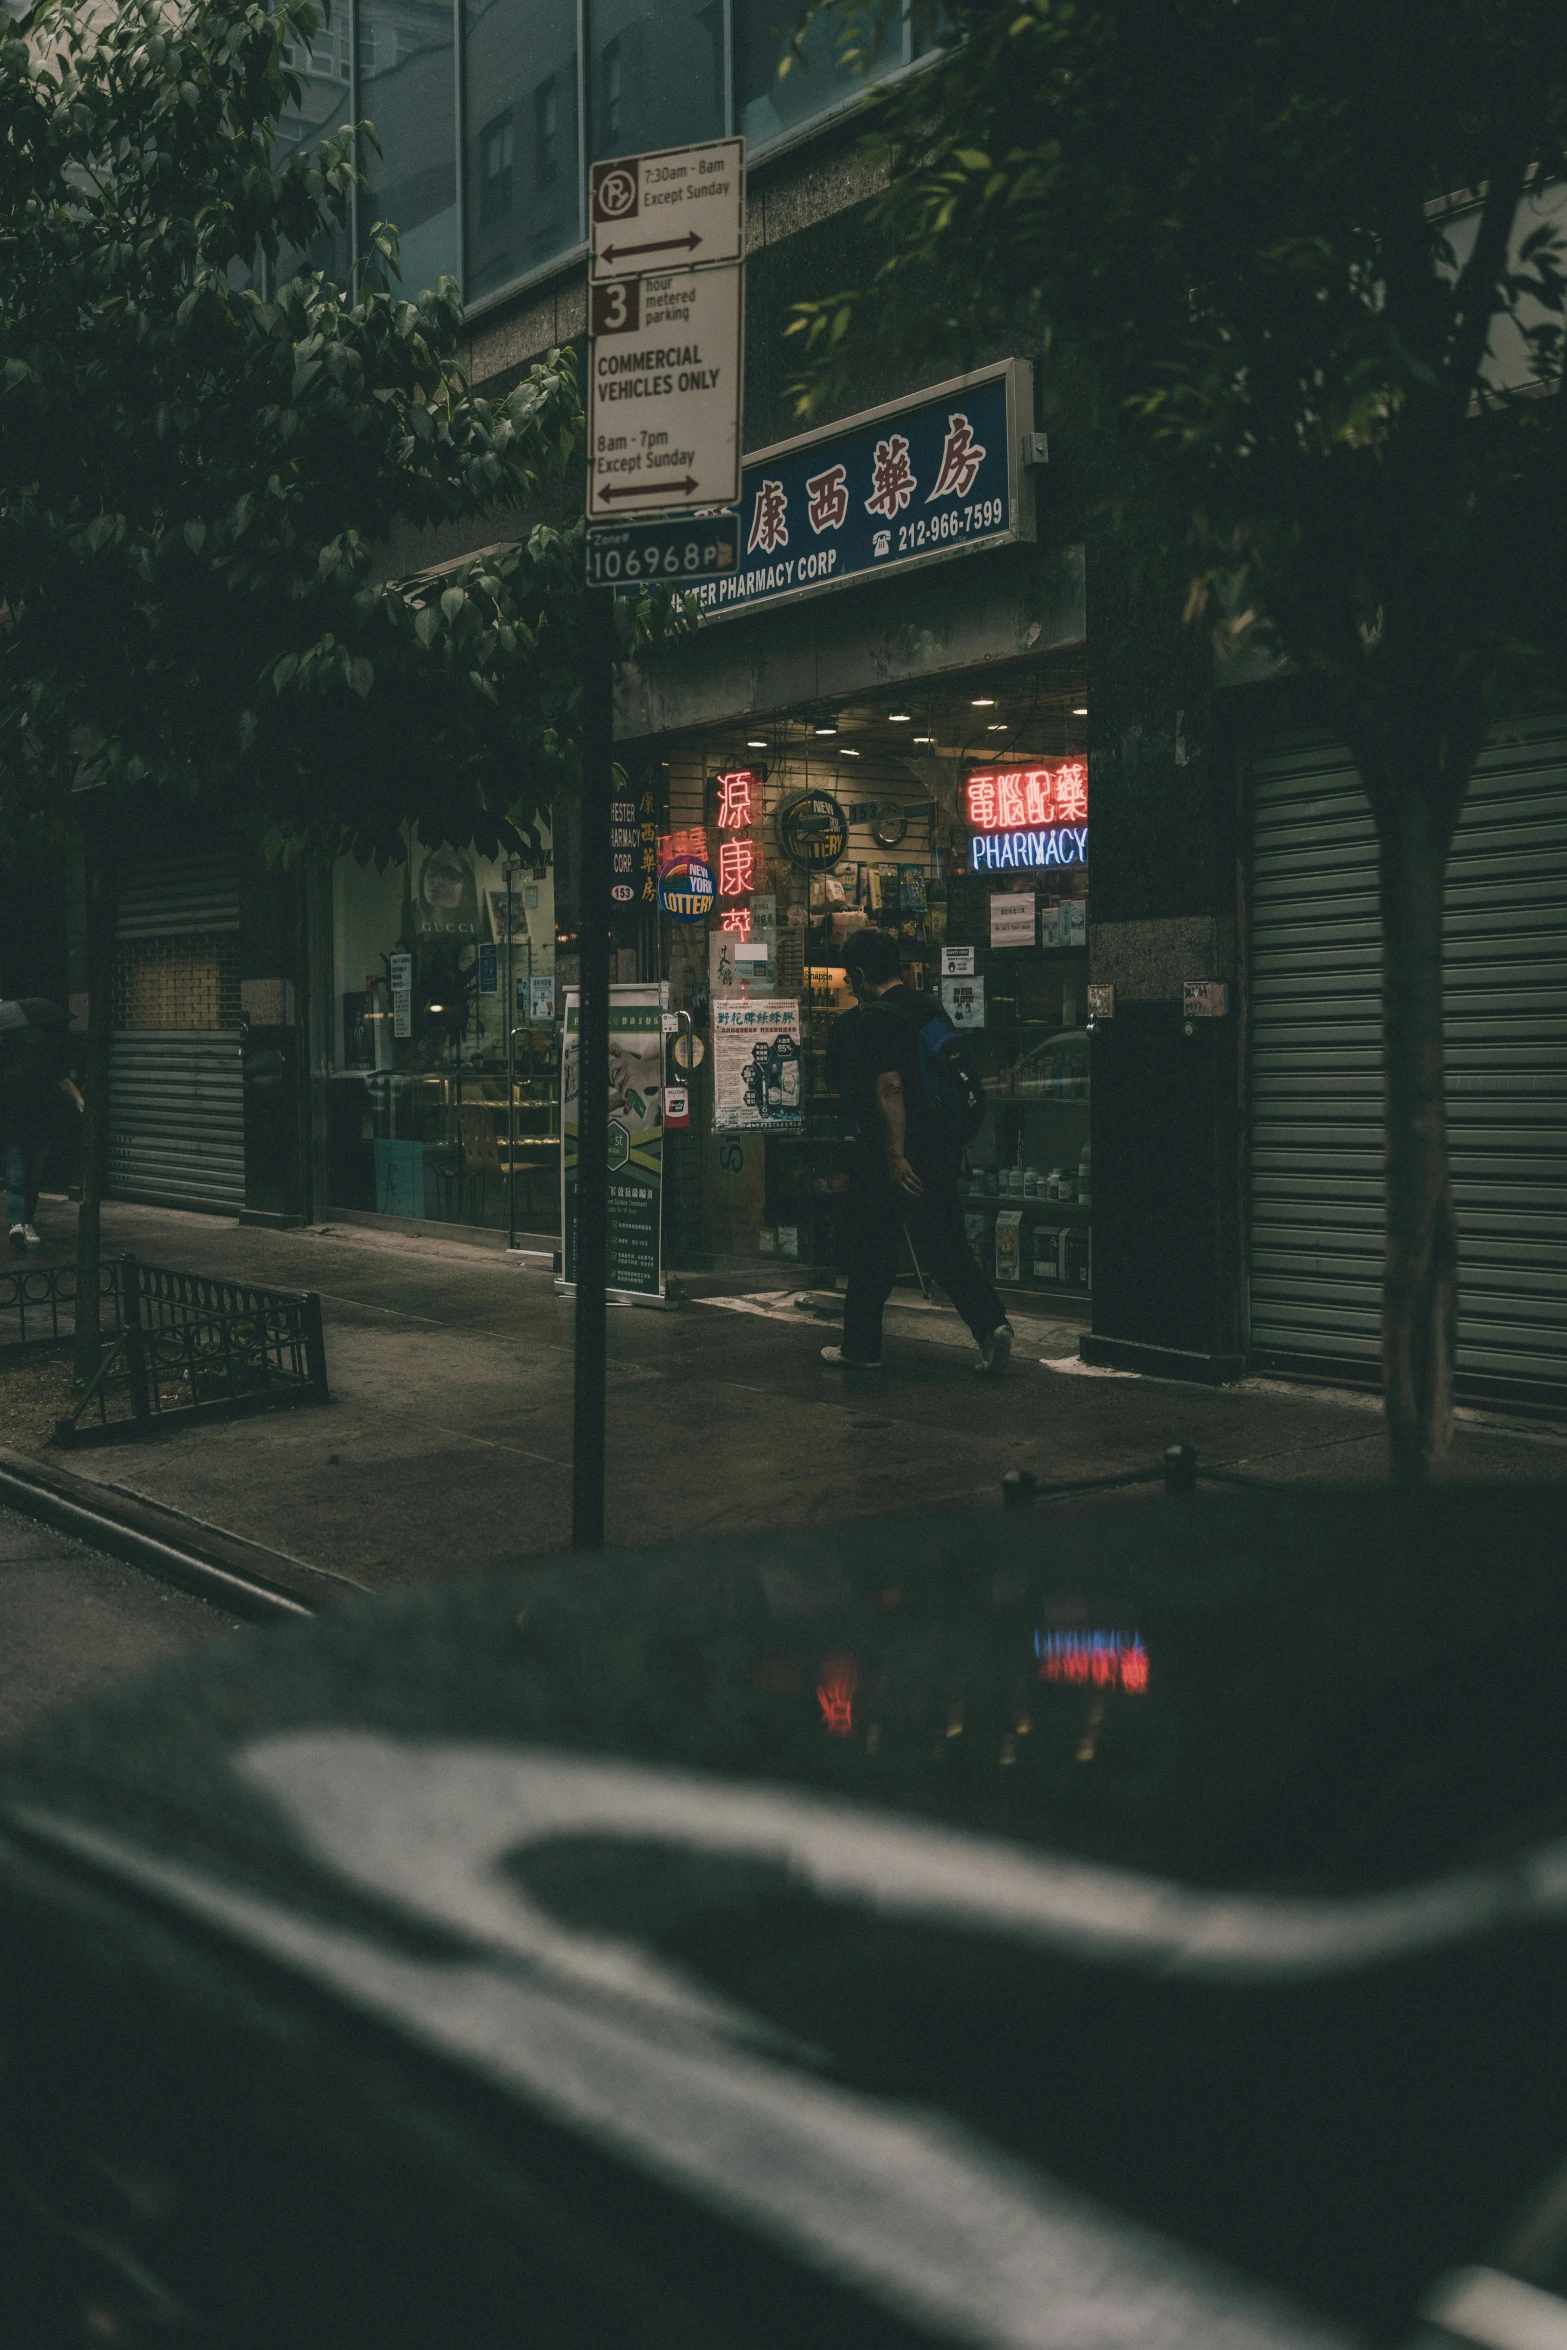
953	1092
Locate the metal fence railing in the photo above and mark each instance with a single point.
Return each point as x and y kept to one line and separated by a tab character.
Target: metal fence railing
192	1348
38	1305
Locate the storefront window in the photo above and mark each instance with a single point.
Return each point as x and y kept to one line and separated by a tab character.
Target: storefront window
957	822
656	81
446	1045
406	89
767	103
522	171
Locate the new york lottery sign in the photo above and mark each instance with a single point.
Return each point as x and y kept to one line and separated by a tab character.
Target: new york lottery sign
916	482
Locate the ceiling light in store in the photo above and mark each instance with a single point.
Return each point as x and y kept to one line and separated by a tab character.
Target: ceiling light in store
997	726
755	743
900	718
924	738
1080	710
844	752
435	1007
983	702
827	730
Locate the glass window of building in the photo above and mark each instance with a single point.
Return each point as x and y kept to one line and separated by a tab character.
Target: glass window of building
522	165
444	1096
767	103
322	67
407	90
657	79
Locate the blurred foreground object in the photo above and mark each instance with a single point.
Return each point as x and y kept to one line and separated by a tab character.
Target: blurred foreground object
1132	1927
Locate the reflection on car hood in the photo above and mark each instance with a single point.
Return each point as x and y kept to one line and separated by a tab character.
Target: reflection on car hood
1137	1927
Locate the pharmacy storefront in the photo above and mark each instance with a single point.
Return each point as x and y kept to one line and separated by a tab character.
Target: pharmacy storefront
931	783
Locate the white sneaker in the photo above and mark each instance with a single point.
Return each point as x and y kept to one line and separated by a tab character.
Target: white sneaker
836	1355
996	1353
32	1238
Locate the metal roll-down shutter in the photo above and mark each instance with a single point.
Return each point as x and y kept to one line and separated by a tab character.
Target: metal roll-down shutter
1316	1066
176	1087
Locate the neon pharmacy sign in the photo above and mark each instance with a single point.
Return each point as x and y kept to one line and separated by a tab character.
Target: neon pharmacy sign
1094	1660
1029	816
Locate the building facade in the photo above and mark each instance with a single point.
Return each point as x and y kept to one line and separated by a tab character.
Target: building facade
1149	897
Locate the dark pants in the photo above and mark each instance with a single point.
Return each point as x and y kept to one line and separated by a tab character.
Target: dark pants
25	1162
877	1215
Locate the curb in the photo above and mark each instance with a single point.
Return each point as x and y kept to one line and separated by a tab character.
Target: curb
244	1577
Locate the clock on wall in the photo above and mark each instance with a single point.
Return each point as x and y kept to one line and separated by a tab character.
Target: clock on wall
889	824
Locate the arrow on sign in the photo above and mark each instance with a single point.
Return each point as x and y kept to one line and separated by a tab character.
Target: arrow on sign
635	491
686	244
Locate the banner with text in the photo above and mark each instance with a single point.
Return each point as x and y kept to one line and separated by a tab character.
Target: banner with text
934	476
636	1141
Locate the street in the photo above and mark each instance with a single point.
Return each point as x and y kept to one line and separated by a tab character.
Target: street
72	1620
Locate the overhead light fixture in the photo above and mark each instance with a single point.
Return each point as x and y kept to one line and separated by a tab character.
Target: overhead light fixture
983	702
997	726
900	718
846	752
754	744
435	1007
1080	710
924	738
827	730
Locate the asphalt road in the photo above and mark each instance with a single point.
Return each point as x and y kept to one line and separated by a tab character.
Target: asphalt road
72	1619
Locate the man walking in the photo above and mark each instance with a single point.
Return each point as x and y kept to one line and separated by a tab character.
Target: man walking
34	1065
904	1162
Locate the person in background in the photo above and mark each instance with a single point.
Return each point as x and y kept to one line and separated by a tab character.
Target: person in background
34	1065
903	1163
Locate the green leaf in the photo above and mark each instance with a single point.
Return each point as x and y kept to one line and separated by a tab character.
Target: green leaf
361	676
195	536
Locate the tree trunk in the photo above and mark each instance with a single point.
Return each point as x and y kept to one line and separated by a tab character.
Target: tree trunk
1420	1274
103	906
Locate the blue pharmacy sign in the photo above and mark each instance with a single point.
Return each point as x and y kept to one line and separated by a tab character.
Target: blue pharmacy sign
915	482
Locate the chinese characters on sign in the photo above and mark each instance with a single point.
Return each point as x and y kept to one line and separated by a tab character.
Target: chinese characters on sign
934	476
1003	801
738	815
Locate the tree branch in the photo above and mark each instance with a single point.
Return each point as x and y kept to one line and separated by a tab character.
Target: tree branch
1475	295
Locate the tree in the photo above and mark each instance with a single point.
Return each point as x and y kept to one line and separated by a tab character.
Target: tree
197	487
1301	248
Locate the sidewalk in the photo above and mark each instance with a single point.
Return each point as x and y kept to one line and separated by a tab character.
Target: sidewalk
447	1445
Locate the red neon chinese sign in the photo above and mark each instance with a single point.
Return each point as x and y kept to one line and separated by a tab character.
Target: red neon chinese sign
1018	798
1094	1660
739	794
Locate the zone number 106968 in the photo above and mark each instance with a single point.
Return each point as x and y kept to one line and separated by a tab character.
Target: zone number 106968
689	558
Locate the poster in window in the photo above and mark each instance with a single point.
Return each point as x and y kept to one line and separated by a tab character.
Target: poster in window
757	1066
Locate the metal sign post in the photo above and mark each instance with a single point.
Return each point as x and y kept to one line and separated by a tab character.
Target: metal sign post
665	305
598	750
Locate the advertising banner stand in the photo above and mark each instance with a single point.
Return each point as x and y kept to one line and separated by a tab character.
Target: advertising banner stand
634	1272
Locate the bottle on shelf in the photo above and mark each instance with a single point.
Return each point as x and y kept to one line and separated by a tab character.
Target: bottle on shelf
1085	1187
